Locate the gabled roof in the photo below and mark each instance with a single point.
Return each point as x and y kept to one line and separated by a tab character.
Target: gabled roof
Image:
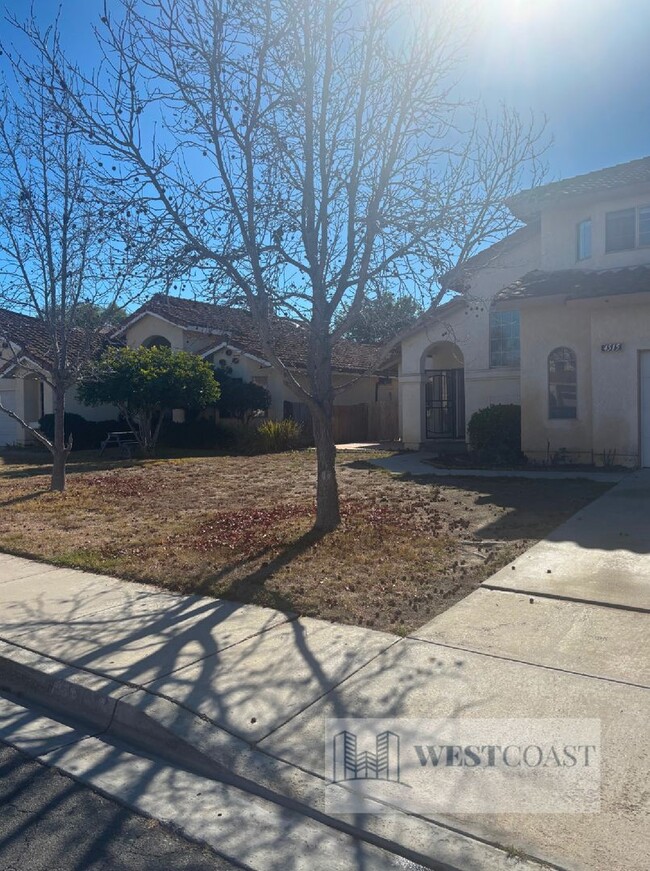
456	278
236	326
578	283
526	204
31	342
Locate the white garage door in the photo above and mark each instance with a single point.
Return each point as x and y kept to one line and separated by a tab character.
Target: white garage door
9	429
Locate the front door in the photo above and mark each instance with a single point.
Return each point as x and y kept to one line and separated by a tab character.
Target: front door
644	415
445	404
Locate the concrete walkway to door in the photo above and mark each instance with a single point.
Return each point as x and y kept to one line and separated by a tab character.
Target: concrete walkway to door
419	463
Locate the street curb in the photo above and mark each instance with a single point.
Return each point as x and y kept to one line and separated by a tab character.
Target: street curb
102	703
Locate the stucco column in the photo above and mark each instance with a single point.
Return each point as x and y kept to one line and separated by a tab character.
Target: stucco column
410	388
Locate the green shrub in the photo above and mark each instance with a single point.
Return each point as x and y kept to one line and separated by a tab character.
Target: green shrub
280	435
495	434
87	435
196	434
240	399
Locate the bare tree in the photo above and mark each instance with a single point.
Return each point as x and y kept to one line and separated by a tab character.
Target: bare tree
305	153
68	240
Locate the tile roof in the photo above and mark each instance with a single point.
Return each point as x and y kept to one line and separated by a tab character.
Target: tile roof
32	337
456	278
526	204
578	283
236	326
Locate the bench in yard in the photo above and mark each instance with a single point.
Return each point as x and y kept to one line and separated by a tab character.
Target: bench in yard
123	441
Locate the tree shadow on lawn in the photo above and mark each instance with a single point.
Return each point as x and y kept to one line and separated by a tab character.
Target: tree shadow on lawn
36	465
248	587
15	465
17	500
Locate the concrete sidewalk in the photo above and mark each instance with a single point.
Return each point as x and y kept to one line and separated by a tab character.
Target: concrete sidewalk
563	631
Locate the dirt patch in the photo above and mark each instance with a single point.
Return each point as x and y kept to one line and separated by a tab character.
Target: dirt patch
240	527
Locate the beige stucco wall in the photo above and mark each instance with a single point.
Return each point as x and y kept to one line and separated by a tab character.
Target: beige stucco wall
11	393
607	382
467	328
543	328
149	326
26	392
90	412
559	232
357	389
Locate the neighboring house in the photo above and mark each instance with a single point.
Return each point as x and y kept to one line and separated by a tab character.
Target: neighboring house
555	317
224	336
24	360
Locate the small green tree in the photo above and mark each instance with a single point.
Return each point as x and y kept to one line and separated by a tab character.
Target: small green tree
146	384
240	399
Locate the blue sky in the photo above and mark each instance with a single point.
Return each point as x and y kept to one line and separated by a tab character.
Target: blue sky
583	63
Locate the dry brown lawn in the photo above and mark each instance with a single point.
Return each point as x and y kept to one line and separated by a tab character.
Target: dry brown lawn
239	527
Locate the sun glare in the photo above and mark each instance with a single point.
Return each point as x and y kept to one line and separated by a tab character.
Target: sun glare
527	11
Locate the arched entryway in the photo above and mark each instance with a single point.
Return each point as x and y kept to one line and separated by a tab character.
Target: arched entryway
444	393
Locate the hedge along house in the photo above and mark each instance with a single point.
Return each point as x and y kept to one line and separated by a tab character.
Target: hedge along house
25	364
227	337
555	317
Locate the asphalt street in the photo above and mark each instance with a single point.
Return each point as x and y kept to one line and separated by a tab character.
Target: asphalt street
48	822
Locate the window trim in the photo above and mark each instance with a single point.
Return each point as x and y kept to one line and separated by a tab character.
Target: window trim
638	226
637	218
492	365
550	407
584	222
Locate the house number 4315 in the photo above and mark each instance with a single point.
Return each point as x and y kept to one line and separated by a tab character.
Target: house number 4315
612	346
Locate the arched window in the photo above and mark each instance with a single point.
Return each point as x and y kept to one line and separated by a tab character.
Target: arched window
562	384
156	342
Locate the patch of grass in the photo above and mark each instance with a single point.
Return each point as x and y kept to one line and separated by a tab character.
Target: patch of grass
240	527
88	559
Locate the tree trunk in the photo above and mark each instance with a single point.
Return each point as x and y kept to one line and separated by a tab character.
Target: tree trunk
61	450
328	515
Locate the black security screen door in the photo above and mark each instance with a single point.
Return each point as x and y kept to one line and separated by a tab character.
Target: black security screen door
445	404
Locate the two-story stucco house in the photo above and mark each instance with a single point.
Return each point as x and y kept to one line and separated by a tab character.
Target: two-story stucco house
555	317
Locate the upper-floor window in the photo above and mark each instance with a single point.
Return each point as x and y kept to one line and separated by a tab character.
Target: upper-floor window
584	239
627	229
562	384
504	338
644	226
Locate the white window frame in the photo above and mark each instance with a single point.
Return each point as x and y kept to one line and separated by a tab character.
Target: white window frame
637	231
493	365
580	255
